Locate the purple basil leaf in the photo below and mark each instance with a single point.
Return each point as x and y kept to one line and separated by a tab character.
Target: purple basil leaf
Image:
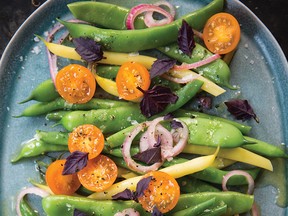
155	100
161	66
127	194
75	162
205	102
88	49
168	116
149	156
241	109
158	142
185	38
176	124
142	185
156	212
79	213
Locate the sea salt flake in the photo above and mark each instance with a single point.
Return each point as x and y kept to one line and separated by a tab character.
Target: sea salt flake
36	39
36	50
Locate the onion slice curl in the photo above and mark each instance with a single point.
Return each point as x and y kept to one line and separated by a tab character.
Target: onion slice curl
150	9
171	142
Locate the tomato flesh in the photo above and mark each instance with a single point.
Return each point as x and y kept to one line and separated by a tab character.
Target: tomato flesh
99	174
75	83
86	138
221	33
130	77
163	192
58	183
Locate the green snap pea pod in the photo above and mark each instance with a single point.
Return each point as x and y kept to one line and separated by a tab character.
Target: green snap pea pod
217	71
185	94
214	175
115	16
53	137
108	120
59	103
65	205
236	202
44	92
217	211
142	39
203	131
57	115
26	209
117	139
102	14
107	71
265	149
193	185
213	133
34	147
117	152
245	129
196	210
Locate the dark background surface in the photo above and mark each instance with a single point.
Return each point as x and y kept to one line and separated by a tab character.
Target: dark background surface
273	13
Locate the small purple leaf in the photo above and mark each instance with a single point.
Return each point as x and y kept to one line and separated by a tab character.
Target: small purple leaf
185	38
149	156
142	185
75	162
88	49
79	213
161	66
176	124
241	109
127	194
156	212
205	102
156	100
168	116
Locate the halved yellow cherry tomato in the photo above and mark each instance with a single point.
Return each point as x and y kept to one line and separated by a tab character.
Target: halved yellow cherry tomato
163	192
130	76
75	83
86	138
58	183
221	33
99	174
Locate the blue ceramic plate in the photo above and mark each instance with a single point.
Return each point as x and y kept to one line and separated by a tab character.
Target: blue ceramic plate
259	68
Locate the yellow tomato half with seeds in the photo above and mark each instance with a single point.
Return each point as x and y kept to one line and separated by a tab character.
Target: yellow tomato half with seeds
221	33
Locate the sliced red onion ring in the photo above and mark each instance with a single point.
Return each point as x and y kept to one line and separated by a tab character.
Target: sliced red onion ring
126	151
143	143
208	60
141	8
166	142
52	59
255	210
185	79
168	150
149	138
31	190
128	211
151	22
182	138
249	178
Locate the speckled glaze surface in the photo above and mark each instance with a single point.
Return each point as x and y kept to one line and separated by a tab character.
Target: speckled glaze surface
259	68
